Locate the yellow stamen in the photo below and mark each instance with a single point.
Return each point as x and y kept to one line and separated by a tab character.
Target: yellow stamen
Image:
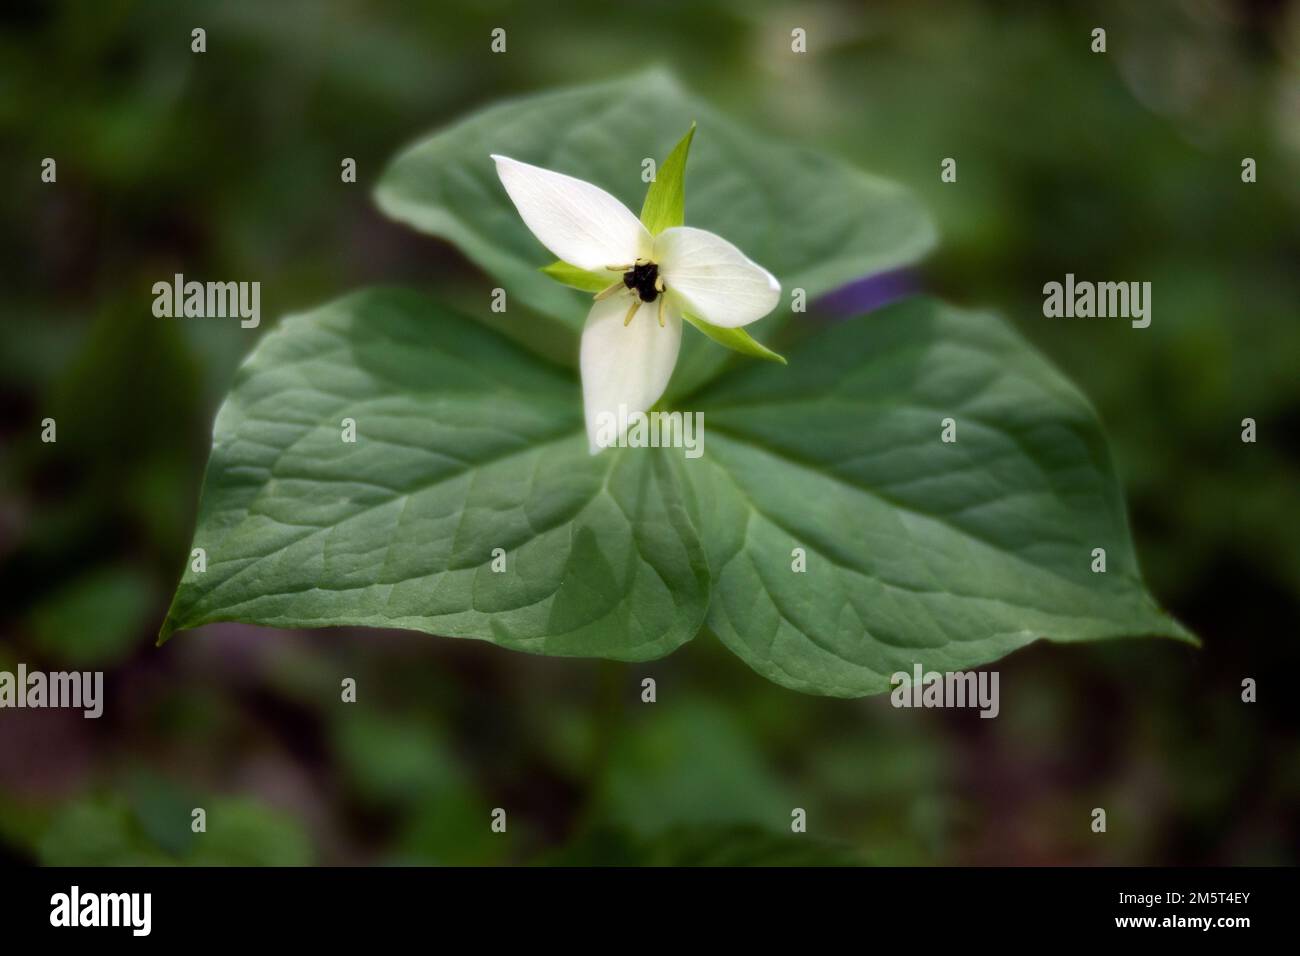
631	312
661	311
609	290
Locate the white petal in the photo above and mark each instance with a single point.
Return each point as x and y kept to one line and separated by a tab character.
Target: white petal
581	223
712	279
625	366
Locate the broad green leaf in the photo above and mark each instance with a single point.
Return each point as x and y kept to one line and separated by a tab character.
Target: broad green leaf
812	220
950	554
576	278
464	445
665	199
917	550
738	340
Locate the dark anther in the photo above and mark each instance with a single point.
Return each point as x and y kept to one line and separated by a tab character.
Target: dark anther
642	278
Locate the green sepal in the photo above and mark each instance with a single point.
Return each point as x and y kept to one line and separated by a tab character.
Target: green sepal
665	200
738	340
576	278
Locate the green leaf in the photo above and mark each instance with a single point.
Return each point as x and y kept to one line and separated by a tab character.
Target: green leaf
917	550
737	340
576	278
665	200
464	444
812	220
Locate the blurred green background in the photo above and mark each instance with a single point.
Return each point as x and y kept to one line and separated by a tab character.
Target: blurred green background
225	165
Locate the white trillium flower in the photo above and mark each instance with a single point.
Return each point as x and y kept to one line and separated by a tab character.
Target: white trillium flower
624	362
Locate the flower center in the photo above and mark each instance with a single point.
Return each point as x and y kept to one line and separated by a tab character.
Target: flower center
643	279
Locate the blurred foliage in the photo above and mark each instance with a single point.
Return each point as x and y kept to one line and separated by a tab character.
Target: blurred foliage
226	165
94	619
109	831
